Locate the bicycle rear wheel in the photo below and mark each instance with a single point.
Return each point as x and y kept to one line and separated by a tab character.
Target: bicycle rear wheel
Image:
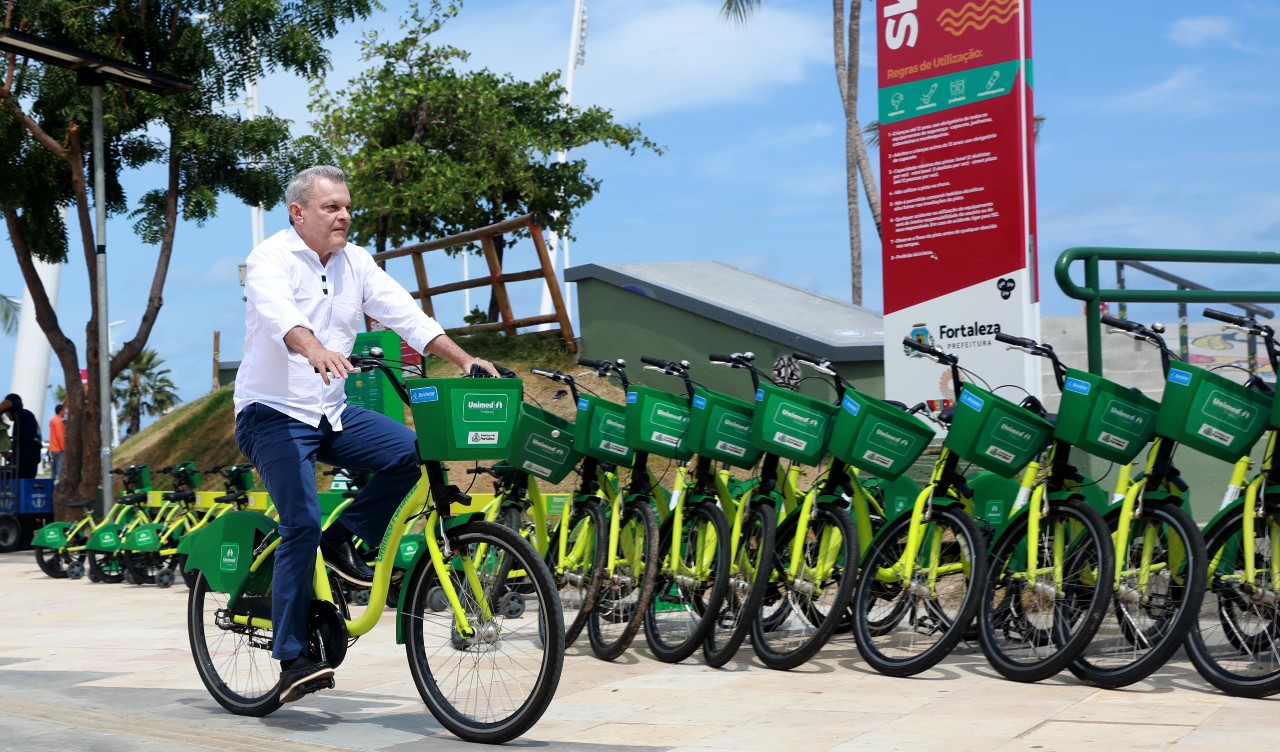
580	574
624	597
904	626
1235	642
799	614
1162	572
688	597
494	685
51	562
1031	627
106	567
234	661
748	579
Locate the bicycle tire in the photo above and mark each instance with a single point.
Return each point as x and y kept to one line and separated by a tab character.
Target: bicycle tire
1031	631
235	663
457	679
1235	642
1146	624
684	606
622	600
50	561
106	567
140	568
907	641
748	579
579	579
793	627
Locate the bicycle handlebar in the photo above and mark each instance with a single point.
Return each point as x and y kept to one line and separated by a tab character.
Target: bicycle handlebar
1229	318
1013	341
1121	324
592	363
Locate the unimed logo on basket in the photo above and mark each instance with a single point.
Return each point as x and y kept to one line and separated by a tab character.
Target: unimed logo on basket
481	407
1123	418
548	449
1221	406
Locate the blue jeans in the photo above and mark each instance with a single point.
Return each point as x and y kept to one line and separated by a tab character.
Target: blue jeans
55	466
285	451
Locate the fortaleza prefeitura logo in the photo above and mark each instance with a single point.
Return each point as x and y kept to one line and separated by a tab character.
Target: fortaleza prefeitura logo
953	336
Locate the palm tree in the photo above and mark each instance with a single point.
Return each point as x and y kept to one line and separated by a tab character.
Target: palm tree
845	38
144	388
9	309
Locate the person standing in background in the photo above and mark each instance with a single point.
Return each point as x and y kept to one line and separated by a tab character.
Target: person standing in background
27	445
57	433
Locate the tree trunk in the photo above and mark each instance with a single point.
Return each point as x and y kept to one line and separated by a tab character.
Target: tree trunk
499	245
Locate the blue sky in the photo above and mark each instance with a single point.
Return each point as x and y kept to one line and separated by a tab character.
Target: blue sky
1160	133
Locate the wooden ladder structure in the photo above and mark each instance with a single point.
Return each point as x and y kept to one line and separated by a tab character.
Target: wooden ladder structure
497	279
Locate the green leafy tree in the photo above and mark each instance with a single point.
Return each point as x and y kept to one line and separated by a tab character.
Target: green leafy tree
9	309
846	38
430	150
197	151
143	388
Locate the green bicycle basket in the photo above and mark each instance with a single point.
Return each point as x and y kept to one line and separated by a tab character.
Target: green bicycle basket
464	418
877	437
1104	418
994	433
543	444
791	425
720	428
600	430
1210	413
658	422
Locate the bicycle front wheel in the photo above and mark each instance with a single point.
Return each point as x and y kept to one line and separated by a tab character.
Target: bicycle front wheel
51	562
748	578
1162	570
689	593
233	660
580	572
624	596
1235	642
491	685
902	624
799	613
1034	622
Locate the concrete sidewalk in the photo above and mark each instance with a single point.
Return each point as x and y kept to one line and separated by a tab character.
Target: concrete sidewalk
90	667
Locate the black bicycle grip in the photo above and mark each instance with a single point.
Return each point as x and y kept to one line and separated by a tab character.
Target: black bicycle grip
649	360
719	358
1009	339
807	358
1226	318
592	363
1115	323
918	346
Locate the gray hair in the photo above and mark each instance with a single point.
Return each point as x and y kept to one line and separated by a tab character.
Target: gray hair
304	183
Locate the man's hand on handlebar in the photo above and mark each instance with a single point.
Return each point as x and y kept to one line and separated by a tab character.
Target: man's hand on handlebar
327	362
470	365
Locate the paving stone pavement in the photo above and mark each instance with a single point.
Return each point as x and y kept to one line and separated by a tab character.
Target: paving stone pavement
107	668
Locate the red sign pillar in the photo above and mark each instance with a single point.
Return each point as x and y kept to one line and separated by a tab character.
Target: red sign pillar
958	197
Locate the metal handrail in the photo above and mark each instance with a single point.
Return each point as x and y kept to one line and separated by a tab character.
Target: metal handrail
1094	294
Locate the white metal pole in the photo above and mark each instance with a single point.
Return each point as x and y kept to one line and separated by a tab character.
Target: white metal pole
31	348
577	49
257	212
104	335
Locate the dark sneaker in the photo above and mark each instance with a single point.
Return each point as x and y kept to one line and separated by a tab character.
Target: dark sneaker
302	676
342	558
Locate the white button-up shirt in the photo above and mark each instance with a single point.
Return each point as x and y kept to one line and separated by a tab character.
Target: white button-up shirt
287	286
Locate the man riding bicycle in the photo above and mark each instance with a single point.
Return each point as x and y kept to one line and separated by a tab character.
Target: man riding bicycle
306	292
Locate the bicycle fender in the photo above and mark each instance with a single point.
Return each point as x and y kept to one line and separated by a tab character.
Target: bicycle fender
420	560
223	549
53	535
107	539
143	538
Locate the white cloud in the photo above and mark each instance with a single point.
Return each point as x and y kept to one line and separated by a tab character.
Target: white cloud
1189	92
1200	30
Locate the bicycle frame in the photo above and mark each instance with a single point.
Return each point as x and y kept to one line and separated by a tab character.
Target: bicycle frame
412	507
942	477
